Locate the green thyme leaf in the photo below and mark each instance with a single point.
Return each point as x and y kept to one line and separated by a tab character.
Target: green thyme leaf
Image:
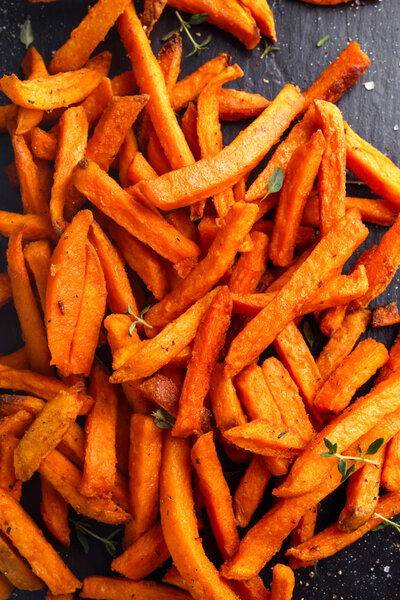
138	320
342	467
323	41
198	19
385	523
26	34
374	447
275	182
268	48
168	35
163	419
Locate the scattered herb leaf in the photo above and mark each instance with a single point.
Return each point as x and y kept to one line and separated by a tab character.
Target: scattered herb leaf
82	529
26	34
137	319
275	182
385	523
308	334
323	40
163	419
268	48
283	433
185	26
347	468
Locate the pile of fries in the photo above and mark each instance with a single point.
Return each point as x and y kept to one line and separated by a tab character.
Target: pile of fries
172	274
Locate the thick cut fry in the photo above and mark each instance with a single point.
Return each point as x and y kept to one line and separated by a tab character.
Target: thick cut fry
385	315
287	398
164	389
32	195
210	176
96	103
356	369
260	438
45	433
339	76
144	555
150	79
139	220
18	572
55	91
72	140
332	174
247	272
54	511
169	59
303	532
226	407
152	11
372	210
282	583
8	480
173	577
100	460
305	236
372	167
207	273
5	290
16	424
298	360
15	360
32	545
65	289
143	260
235	105
390	477
263	16
228	15
33	66
250	490
255	396
140	169
66	479
300	175
206	349
112	129
38	258
124	84
342	342
179	524
87	36
33	330
108	588
119	291
142	360
7	114
144	469
362	495
44	143
331	540
6	587
310	468
215	491
393	364
126	154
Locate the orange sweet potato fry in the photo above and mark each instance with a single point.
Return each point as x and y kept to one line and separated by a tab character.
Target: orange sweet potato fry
262	14
144	468
108	588
216	494
310	468
282	583
143	260
112	129
119	291
173	577
164	388
339	76
140	169
247	272
305	236
230	16
95	104
362	495
54	511
342	342
332	174
235	105
15	360
151	81
215	174
334	250
44	143
7	114
32	545
207	273
332	540
152	11
300	175
372	167
66	479
250	490
356	369
206	349
18	572
72	138
393	363
189	128
385	315
16	424
5	290
65	289
390	477
85	38
126	154
98	477
8	480
25	303
45	433
179	523
139	220
33	66
169	59
33	198
260	438
38	258
226	407
124	84
144	359
143	556
6	587
303	532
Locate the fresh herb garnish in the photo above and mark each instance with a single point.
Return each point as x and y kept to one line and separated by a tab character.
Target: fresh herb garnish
385	523
323	40
26	34
185	26
275	182
163	419
347	468
308	334
82	529
137	319
268	48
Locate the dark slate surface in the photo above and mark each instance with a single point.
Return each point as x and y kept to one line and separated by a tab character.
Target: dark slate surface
368	569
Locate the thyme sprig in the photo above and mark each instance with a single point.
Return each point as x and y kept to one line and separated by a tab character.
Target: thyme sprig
185	26
347	468
83	530
138	320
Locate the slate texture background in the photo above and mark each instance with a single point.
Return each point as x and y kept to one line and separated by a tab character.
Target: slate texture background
368	569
